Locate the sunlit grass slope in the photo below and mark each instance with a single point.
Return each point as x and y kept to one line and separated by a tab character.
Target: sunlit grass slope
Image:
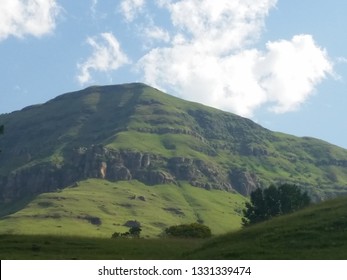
99	208
317	232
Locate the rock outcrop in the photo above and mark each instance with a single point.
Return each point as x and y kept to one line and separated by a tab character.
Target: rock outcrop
114	165
243	181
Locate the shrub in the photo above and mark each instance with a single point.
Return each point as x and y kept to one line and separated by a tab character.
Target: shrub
193	230
134	232
116	235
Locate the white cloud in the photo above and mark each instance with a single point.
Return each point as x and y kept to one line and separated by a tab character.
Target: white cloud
107	56
130	8
219	26
32	17
228	83
291	70
210	58
155	33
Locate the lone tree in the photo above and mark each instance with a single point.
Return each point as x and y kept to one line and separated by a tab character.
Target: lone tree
135	231
274	201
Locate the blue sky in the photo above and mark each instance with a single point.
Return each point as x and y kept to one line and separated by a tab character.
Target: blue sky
281	63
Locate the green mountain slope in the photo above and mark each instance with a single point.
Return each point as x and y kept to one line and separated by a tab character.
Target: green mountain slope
135	132
99	208
317	232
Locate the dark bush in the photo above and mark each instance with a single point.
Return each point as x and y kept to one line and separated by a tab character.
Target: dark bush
193	230
116	235
133	232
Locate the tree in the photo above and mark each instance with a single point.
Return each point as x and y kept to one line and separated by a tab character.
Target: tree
292	198
135	231
274	201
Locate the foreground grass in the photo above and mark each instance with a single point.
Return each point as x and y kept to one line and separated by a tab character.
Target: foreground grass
317	232
21	247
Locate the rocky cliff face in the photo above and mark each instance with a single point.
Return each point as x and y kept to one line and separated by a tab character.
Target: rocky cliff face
245	182
115	165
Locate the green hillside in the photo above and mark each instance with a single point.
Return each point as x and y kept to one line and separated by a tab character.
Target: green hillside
317	232
133	131
86	162
99	208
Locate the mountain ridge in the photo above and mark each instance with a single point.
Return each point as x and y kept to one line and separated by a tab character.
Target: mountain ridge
133	131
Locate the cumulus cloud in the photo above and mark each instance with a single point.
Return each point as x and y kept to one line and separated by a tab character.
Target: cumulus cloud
211	58
290	70
32	17
219	26
130	8
107	56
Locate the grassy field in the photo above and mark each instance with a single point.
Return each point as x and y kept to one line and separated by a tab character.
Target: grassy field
36	247
317	232
99	208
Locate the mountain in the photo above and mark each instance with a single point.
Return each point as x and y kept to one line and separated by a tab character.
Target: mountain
91	162
135	133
